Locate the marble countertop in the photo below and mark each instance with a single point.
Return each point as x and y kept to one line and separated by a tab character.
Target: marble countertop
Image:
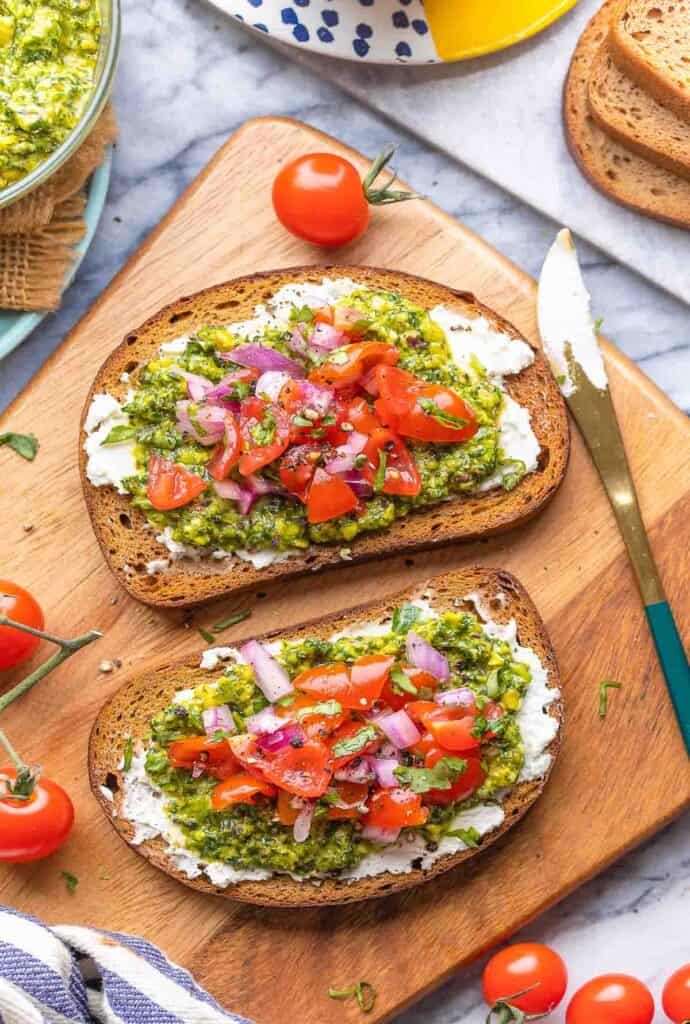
175	108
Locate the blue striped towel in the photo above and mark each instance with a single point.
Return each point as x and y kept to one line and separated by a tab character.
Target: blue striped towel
74	975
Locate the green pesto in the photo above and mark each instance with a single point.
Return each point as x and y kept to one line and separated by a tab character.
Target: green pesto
248	837
280	522
48	54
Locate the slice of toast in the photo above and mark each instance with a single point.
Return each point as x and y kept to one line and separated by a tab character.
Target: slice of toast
128	545
612	168
634	118
129	710
650	42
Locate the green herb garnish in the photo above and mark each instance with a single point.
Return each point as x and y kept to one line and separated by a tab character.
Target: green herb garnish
355	743
469	836
401	682
363	992
380	478
71	881
441	776
405	617
446	419
604	686
205	635
118	434
25	445
232	620
128	754
326	707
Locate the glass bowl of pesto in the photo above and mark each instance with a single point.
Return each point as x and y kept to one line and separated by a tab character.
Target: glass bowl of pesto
57	62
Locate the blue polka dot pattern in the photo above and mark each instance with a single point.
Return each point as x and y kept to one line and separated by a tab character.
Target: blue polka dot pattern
360	47
301	33
330	18
324	35
420	27
400	19
403	50
364	31
289	16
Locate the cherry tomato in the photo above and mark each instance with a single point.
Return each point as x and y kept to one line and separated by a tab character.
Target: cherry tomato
297	469
418	678
401	475
348	364
18	604
357	688
350	321
170	485
523	966
319	197
464	786
419	710
34	828
317	725
676	996
227	452
357	413
215	756
303	770
395	808
329	497
289	807
451	727
611	999
348	731
239	789
264	433
417	409
351	798
293	401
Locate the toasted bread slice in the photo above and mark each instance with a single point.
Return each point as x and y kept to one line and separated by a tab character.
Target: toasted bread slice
612	168
130	709
650	42
634	118
128	545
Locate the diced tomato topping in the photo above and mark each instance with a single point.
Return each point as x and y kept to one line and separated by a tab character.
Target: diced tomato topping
303	770
214	756
350	321
348	364
348	731
289	807
317	725
419	710
171	485
297	469
401	475
356	688
395	808
323	315
227	452
351	800
424	745
356	413
452	728
264	434
417	409
492	712
397	698
239	789
329	497
471	779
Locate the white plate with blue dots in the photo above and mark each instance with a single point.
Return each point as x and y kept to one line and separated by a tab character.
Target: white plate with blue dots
377	31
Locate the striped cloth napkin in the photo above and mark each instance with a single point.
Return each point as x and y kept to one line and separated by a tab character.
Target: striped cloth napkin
74	975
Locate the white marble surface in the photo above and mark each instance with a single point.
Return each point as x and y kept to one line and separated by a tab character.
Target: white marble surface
186	80
516	95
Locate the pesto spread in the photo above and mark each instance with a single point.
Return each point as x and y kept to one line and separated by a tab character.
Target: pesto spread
311	424
404	760
48	54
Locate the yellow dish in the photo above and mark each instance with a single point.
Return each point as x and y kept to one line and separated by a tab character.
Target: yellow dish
469	28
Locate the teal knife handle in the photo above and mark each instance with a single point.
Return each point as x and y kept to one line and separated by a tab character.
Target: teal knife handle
674	662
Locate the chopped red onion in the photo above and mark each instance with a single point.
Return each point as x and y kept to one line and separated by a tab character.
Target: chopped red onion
384	768
380	835
302	826
327	337
317	398
368	382
210	420
462	697
271	678
281	738
198	387
218	718
258	485
226	387
345	454
359	770
388	750
354	479
264	721
271	383
261	357
298	342
400	729
422	655
231	491
197	769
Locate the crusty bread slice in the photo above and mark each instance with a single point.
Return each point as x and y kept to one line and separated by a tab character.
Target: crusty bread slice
650	42
612	168
128	545
633	117
130	709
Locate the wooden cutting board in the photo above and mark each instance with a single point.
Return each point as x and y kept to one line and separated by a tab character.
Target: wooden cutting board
618	779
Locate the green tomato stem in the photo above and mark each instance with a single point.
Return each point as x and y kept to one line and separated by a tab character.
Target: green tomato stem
14	756
382	195
67	649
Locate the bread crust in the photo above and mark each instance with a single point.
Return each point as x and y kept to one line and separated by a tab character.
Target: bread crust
129	710
128	545
612	168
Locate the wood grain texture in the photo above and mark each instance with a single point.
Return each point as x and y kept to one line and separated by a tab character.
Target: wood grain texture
571	560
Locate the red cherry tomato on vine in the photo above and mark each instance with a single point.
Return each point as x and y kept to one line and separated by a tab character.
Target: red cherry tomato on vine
319	197
34	828
676	996
611	999
18	604
526	965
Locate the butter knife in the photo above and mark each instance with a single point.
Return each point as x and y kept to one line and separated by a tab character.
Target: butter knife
569	338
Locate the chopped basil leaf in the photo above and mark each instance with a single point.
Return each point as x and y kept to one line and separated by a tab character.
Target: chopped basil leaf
469	836
355	743
405	617
326	707
71	881
446	419
604	686
302	314
301	421
118	434
441	776
401	682
232	620
331	797
25	445
205	635
363	992
128	754
380	478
